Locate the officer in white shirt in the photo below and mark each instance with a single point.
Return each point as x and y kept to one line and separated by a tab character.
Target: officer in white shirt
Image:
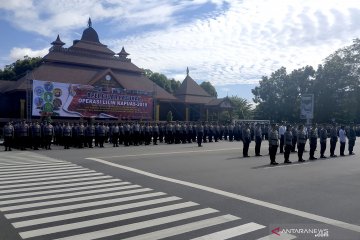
342	137
282	130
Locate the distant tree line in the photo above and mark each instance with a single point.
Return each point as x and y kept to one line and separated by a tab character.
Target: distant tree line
335	85
19	68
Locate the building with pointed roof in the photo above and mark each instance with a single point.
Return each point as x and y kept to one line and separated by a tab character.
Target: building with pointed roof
89	62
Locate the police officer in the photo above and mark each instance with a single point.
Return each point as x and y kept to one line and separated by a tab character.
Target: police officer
294	140
8	136
48	135
36	135
102	134
24	134
66	135
352	138
114	132
90	134
313	141
258	139
199	133
156	131
288	137
333	140
273	144
246	138
342	138
323	139
282	130
301	141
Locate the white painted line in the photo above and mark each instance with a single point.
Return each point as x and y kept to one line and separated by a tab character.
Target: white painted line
49	169
283	236
62	190
17	166
60	176
30	169
72	194
25	159
81	205
169	232
67	169
78	199
68	216
231	232
291	211
105	220
59	186
54	182
52	174
139	225
286	165
169	153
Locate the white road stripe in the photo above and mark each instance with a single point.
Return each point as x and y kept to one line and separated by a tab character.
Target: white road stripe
68	216
58	186
24	159
54	182
81	205
65	169
169	232
17	173
17	166
38	175
35	169
283	236
72	194
105	220
62	190
231	232
42	204
288	210
139	225
52	177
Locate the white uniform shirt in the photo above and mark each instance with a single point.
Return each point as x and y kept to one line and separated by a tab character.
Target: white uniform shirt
282	130
342	135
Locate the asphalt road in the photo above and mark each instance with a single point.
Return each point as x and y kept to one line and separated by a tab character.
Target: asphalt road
176	192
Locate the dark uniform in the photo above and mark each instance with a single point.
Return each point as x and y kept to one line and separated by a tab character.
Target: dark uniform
67	134
8	136
294	140
36	135
313	142
199	134
273	144
333	140
352	139
323	140
258	139
246	138
288	137
301	141
48	135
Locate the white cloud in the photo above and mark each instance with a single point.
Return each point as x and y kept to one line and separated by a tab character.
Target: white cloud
235	43
19	53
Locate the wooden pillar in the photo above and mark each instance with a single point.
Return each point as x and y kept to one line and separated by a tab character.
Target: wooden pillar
157	112
22	108
187	110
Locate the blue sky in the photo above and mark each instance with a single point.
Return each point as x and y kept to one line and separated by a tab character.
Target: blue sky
231	43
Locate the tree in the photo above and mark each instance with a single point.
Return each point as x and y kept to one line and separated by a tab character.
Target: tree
209	88
242	108
170	85
169	116
19	68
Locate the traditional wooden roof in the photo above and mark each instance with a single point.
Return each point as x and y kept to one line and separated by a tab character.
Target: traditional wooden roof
220	103
190	92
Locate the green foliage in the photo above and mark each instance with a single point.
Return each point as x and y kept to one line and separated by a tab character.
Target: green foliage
242	108
19	68
335	85
170	85
169	116
209	88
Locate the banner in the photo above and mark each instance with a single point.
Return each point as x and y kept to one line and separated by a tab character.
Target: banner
75	100
307	106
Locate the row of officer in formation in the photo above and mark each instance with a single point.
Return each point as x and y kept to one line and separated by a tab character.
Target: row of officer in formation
34	135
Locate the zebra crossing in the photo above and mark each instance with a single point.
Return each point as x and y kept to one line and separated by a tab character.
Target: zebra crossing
46	198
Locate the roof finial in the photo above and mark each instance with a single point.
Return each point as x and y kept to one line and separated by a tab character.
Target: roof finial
89	22
187	71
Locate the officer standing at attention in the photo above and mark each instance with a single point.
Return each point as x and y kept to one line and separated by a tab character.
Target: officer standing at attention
313	141
67	133
246	138
323	139
36	135
352	138
258	139
199	133
8	136
342	138
282	130
333	140
288	143
294	140
301	141
273	144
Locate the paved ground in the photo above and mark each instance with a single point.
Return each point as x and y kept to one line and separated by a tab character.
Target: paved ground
176	192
